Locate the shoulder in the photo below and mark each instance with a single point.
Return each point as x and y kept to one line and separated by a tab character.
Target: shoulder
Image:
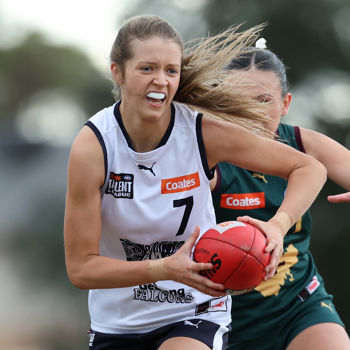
184	110
316	143
222	137
104	120
85	146
85	166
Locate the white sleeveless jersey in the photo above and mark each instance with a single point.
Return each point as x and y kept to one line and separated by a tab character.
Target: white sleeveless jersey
151	203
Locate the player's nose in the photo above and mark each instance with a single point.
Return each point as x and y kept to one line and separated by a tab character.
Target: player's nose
160	79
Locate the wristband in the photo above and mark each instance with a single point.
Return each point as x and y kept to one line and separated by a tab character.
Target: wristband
283	219
156	270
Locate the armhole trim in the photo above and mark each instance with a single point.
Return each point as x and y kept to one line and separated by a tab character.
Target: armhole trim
298	139
218	179
201	147
93	127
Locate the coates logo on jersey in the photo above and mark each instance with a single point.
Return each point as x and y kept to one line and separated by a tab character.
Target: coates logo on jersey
180	184
242	201
121	185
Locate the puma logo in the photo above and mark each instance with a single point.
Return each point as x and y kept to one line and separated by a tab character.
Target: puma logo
189	323
143	167
326	305
260	176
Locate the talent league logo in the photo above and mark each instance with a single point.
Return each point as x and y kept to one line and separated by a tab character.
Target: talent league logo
180	183
120	185
242	201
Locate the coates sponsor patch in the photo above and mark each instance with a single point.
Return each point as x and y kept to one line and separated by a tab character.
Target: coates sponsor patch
120	185
242	201
180	184
214	305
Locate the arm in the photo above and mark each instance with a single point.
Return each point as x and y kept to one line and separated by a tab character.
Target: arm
82	225
334	156
339	198
86	268
306	176
225	141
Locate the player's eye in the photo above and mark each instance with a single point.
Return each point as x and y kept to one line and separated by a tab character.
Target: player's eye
146	69
173	71
263	98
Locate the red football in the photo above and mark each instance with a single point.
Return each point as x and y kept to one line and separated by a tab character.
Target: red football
237	252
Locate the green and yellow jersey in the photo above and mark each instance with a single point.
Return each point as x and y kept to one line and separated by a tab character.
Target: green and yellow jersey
241	192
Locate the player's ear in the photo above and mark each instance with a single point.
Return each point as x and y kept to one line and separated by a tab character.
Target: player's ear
117	73
286	103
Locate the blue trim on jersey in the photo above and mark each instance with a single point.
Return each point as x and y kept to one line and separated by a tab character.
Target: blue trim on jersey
165	137
119	119
93	127
167	134
202	152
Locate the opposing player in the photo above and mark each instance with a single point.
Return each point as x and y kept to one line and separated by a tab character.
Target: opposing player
292	310
138	188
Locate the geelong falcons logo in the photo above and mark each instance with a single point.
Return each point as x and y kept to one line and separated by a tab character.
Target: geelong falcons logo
137	252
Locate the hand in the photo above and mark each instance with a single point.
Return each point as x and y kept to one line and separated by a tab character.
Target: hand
181	268
274	246
339	198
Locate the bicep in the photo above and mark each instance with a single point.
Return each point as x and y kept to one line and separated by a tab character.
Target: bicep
82	223
236	145
334	156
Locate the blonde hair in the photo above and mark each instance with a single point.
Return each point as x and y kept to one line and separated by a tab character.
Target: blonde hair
203	82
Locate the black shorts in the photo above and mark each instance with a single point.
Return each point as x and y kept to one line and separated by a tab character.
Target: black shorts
211	334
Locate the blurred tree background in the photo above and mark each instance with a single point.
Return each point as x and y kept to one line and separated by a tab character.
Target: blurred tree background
47	92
